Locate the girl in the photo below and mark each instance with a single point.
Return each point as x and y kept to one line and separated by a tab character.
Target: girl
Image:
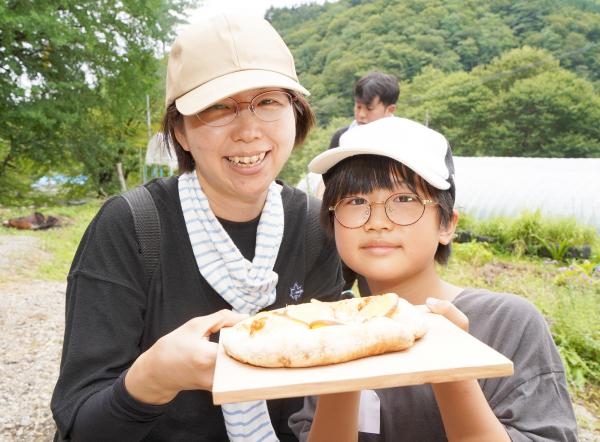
388	202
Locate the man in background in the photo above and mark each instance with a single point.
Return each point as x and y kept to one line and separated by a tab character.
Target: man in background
375	97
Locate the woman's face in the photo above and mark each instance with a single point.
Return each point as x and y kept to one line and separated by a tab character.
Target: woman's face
239	161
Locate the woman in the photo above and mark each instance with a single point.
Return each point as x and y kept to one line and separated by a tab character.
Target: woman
138	359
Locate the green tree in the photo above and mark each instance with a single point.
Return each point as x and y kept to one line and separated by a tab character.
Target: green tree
449	104
553	114
336	43
74	80
573	36
521	104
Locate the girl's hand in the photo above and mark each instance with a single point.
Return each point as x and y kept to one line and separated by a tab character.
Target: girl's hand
181	360
449	311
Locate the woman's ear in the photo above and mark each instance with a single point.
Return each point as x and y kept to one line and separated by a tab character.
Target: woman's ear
180	136
447	231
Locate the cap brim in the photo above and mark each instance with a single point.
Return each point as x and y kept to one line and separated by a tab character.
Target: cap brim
227	85
326	160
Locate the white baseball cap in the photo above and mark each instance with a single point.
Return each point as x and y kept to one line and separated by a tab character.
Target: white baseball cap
418	147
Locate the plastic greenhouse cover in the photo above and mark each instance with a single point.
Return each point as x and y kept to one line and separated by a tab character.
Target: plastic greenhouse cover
488	187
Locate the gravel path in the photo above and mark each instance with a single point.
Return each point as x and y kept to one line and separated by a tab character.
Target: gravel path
32	324
32	320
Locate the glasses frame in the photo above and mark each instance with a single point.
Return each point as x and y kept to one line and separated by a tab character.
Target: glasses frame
424	202
250	106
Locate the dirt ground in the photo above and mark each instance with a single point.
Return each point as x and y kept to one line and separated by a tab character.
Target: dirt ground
32	324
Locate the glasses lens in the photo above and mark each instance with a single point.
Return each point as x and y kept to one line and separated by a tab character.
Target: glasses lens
219	114
272	105
404	208
352	212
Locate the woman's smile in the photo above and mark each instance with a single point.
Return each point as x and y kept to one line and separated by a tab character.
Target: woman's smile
247	161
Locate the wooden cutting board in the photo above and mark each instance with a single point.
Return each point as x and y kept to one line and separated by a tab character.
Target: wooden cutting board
445	353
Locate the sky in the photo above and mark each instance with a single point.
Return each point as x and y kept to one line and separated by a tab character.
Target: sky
250	7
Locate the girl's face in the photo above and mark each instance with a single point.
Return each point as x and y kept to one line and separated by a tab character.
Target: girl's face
388	254
238	161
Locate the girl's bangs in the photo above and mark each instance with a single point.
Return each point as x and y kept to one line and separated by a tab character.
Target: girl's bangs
365	173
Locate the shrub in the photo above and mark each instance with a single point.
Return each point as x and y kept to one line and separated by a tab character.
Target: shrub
475	253
531	234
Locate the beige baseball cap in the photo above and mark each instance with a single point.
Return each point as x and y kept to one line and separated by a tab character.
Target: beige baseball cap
223	55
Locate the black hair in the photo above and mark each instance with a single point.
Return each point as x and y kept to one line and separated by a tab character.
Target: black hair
364	173
377	84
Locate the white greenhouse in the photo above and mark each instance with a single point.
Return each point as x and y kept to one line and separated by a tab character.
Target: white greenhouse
506	186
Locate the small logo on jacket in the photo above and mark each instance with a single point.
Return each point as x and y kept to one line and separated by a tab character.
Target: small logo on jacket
296	291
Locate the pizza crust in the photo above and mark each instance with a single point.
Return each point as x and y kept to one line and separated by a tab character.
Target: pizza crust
341	331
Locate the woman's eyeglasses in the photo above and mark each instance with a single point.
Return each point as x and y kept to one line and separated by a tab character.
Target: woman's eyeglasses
266	106
403	209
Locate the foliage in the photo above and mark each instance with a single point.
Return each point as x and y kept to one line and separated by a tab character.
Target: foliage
477	254
577	337
530	232
558	251
586	271
59	243
75	77
496	77
567	296
520	104
336	43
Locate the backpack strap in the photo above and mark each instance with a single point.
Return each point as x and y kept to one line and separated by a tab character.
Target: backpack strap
147	227
313	235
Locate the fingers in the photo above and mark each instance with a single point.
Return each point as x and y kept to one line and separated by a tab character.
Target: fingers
422	308
214	322
449	311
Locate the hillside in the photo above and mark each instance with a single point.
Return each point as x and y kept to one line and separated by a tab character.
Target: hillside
483	72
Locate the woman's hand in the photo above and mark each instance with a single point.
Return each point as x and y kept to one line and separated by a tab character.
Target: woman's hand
181	360
449	311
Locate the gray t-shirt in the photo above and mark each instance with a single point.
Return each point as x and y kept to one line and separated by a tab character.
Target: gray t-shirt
533	404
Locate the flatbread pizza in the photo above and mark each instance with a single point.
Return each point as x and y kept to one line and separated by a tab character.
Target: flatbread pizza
322	333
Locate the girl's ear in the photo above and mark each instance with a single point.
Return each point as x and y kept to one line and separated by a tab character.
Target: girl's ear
447	232
180	136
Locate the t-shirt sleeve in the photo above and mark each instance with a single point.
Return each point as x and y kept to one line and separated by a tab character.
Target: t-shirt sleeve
105	304
127	416
538	410
301	421
533	404
335	139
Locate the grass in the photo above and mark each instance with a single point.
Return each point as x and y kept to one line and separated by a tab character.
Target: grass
57	245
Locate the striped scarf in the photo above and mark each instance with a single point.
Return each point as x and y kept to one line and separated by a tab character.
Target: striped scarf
247	286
